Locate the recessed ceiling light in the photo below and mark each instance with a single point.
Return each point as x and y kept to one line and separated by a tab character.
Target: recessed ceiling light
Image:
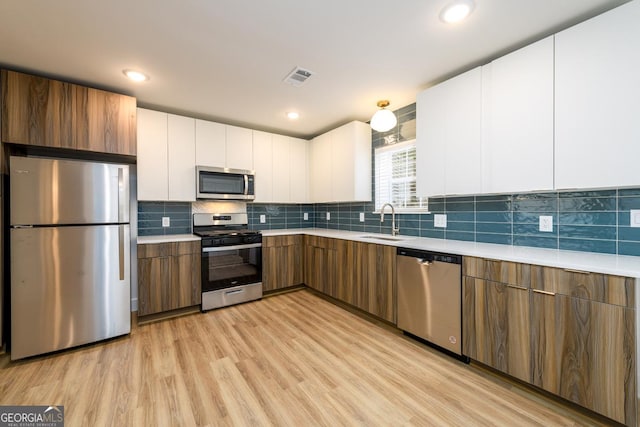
136	76
456	11
292	115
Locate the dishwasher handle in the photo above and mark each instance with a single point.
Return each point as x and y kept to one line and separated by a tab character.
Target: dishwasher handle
428	256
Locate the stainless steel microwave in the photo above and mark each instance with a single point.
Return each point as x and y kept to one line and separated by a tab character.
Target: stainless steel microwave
224	183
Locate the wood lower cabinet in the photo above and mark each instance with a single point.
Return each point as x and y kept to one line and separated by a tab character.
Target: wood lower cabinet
568	332
496	326
584	351
50	113
168	276
282	262
359	274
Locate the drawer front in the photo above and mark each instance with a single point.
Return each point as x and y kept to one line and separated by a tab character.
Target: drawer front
185	248
154	250
512	273
280	241
599	287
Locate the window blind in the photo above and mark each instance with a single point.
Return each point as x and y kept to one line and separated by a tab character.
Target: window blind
395	177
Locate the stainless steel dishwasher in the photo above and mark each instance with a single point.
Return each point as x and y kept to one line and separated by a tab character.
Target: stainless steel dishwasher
430	297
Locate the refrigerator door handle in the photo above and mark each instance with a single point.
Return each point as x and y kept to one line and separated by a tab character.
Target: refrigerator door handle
121	251
121	201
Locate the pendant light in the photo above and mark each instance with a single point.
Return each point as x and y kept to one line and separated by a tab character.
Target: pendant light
383	120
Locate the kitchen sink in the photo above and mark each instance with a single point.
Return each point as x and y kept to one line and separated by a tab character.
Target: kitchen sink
388	238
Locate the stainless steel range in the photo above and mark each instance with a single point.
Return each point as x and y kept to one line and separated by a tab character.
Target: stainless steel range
231	259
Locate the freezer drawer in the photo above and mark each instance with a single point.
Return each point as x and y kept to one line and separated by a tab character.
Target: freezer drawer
49	191
69	286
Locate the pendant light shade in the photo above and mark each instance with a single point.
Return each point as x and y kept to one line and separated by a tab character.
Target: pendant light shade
383	120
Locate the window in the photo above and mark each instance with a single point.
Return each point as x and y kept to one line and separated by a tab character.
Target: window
395	177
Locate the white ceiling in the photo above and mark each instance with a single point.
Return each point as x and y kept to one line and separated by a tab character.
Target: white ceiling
224	60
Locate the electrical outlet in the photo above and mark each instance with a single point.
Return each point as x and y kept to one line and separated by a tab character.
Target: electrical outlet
328	216
634	219
263	219
440	220
305	216
361	216
546	223
166	221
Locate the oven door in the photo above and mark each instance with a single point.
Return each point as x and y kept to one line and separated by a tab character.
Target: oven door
228	266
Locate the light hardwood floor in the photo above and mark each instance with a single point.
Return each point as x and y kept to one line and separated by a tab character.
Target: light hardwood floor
289	360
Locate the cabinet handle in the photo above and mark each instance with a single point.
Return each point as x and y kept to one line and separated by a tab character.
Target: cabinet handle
570	270
522	288
538	291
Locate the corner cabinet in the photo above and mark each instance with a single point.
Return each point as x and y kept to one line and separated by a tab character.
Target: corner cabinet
570	333
50	113
168	276
448	137
341	164
282	262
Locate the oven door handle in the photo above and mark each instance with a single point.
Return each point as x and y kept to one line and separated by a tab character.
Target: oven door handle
231	248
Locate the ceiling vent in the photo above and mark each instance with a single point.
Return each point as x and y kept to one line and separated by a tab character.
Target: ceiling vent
298	76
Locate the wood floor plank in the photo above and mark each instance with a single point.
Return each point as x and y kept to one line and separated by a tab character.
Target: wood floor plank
290	360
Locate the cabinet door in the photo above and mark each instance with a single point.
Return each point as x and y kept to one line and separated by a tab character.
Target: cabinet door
282	262
154	293
185	282
496	329
105	122
299	171
585	352
321	156
263	166
181	158
153	173
342	164
596	101
375	280
517	112
281	172
239	148
211	143
448	145
37	111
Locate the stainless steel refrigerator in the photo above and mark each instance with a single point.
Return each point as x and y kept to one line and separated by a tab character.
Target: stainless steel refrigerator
69	250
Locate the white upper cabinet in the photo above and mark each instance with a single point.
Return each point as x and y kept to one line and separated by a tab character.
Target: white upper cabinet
298	170
211	143
281	169
166	157
182	158
152	160
448	136
320	163
239	148
263	166
597	101
341	164
517	127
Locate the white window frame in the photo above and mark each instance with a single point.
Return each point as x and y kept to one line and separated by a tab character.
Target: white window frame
393	147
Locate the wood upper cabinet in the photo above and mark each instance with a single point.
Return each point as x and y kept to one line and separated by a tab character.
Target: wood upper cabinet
50	113
282	262
596	101
168	276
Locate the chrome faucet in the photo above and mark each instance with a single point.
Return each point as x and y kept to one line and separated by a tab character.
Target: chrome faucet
394	230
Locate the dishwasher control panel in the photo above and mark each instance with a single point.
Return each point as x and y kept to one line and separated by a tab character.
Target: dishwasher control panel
430	256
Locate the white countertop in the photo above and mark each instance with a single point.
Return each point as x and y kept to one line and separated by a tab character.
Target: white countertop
167	238
620	265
